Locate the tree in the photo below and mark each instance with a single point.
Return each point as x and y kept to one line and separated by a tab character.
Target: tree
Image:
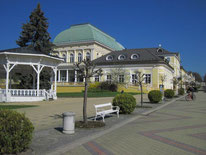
34	33
87	70
115	73
197	76
205	78
139	82
163	78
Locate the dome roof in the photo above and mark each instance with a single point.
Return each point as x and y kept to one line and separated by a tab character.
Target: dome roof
84	33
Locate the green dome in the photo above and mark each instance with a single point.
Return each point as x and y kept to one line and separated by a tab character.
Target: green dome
84	33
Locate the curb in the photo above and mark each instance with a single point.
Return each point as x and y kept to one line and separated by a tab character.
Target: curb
78	142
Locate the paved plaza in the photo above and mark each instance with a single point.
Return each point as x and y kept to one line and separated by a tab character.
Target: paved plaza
177	129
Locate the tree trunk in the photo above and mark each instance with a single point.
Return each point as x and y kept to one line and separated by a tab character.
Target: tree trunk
141	96
85	101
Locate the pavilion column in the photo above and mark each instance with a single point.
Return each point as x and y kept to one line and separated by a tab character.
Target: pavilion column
59	76
51	81
7	81
55	82
8	70
67	75
38	71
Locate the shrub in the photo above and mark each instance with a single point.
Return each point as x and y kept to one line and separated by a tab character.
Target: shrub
181	91
126	102
155	96
109	86
95	85
169	93
15	132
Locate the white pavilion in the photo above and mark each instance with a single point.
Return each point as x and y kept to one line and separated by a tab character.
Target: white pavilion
24	61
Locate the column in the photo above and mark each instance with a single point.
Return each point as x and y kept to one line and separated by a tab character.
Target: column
75	76
55	81
7	80
67	75
92	54
59	76
38	78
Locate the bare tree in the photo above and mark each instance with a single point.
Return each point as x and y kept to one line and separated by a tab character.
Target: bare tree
87	70
163	78
115	73
139	81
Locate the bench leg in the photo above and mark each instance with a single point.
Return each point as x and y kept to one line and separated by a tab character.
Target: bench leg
103	117
118	114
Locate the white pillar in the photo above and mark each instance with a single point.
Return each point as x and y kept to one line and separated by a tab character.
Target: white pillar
92	54
59	76
38	77
67	75
55	82
75	75
7	80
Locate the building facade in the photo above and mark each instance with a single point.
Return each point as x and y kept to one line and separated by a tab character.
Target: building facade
82	41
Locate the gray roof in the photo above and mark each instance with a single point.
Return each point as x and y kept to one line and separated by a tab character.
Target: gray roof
22	50
146	56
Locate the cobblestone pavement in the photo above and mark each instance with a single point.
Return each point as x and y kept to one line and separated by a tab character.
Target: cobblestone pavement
177	129
46	114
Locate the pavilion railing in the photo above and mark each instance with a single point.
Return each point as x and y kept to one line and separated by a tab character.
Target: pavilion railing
26	92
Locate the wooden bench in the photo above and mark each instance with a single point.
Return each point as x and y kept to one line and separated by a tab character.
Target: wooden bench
104	109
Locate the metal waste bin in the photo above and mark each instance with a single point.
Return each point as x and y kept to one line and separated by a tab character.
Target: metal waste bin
68	122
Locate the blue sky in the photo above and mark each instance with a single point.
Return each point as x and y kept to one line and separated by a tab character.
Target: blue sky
179	25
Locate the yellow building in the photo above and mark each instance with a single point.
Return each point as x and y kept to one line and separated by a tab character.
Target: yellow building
80	42
83	41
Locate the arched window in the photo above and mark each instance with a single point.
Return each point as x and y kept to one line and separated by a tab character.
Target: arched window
79	57
134	56
64	57
122	57
71	58
109	57
88	56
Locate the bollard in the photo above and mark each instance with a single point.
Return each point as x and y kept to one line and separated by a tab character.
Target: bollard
68	122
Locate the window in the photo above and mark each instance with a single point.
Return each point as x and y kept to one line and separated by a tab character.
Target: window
96	78
88	56
79	57
134	56
147	78
109	57
159	50
71	58
121	78
64	57
134	78
168	59
109	78
121	57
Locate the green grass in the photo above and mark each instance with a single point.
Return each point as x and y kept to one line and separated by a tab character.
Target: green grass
91	94
16	106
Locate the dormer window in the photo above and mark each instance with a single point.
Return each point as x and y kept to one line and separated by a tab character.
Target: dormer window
122	57
134	56
159	50
109	58
168	59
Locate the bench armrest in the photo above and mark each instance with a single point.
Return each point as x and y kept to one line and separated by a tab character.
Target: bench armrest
116	107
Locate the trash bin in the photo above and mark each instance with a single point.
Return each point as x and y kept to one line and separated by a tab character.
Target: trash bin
68	122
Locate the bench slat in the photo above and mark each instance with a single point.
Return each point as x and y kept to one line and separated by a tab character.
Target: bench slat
103	105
